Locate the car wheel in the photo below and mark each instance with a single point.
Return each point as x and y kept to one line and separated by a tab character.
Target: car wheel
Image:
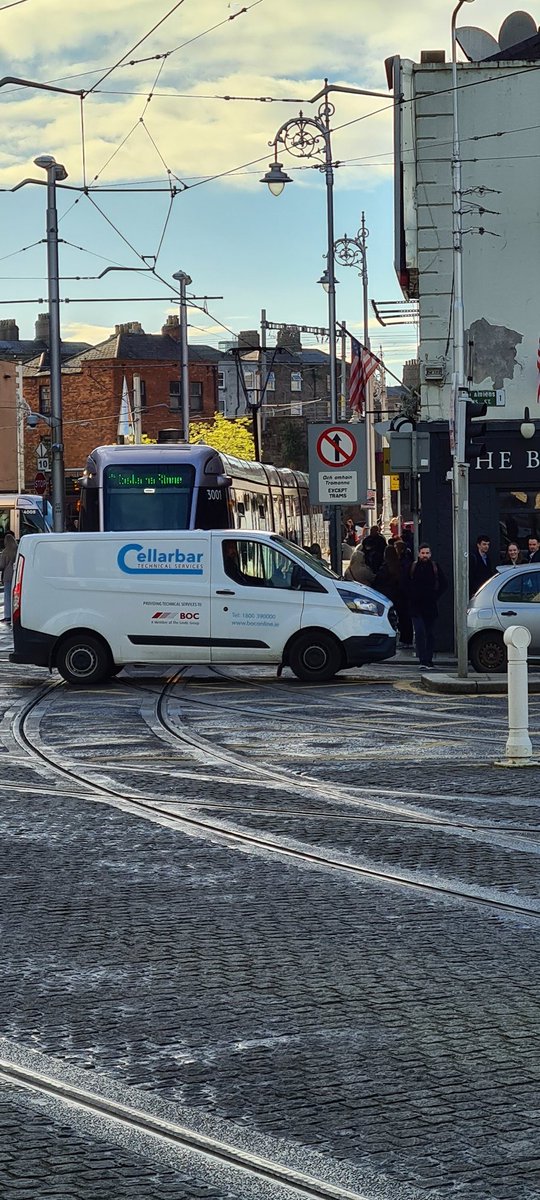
487	652
315	657
84	659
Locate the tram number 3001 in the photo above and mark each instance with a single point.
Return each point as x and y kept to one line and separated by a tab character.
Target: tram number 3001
213	493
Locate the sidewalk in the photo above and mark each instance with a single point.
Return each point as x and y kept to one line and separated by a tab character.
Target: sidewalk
444	679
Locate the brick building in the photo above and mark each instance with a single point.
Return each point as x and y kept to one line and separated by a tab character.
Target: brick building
92	384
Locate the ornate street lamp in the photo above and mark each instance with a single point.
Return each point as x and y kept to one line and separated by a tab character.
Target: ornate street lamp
309	137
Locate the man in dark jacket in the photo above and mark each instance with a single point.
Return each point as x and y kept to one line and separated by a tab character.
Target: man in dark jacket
426	584
480	568
534	550
374	546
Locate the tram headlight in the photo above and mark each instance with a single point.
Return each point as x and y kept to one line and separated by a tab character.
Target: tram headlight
359	603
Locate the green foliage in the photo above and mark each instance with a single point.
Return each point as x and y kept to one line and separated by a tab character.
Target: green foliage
231	437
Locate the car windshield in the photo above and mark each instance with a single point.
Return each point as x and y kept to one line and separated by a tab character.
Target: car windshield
314	564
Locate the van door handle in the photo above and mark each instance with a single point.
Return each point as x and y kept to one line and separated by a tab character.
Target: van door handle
509	613
225	592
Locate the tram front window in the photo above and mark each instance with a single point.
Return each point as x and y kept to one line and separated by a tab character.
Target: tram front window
157	497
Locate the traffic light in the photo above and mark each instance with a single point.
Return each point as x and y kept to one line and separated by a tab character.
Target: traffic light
475	435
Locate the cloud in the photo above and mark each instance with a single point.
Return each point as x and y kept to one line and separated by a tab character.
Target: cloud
272	50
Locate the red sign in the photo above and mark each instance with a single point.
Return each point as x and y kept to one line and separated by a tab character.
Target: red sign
40	483
336	446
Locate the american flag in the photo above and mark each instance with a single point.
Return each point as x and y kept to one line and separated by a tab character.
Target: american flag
363	364
538	369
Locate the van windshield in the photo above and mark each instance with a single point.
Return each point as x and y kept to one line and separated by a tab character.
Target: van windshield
309	560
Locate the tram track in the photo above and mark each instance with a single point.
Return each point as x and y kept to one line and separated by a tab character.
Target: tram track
152	808
254	1166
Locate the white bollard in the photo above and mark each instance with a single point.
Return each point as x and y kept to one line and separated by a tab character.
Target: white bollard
518	746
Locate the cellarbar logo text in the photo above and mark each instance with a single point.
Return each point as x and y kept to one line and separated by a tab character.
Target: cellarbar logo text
135	559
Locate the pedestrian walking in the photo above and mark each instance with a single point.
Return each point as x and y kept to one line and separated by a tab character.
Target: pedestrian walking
358	570
404	616
7	562
374	546
480	568
388	577
534	550
349	536
426	584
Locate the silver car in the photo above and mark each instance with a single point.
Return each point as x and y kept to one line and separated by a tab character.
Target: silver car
512	597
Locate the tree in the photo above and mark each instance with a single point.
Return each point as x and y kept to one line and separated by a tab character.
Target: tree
231	437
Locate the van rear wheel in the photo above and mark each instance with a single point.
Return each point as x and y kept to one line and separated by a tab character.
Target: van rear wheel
84	659
315	657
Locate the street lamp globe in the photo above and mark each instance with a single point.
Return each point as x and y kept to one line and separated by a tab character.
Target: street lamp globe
276	178
47	162
325	280
527	428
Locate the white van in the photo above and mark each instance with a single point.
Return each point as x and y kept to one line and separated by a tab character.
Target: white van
89	603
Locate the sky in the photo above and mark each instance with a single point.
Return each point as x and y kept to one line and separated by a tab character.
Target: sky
155	118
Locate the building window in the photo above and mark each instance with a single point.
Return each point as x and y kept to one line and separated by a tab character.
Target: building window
44	398
221	380
296	381
143	394
296	408
271	382
195	397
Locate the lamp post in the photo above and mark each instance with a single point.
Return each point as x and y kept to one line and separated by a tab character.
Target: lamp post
460	393
55	174
309	137
352	252
183	281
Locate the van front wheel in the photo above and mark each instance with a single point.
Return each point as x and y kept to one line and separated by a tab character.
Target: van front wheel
84	659
314	657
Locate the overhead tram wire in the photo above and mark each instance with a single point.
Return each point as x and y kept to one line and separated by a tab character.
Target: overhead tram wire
117	64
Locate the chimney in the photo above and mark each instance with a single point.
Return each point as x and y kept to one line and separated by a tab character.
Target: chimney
249	339
171	328
289	338
42	328
432	56
9	330
129	327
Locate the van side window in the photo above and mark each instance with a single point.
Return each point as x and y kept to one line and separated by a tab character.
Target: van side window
254	564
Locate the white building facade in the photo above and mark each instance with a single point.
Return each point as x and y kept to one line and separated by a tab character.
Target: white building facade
497	104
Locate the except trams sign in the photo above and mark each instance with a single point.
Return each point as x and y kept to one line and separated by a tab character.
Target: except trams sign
337	464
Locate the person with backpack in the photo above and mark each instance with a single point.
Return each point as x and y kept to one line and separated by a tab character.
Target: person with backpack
426	584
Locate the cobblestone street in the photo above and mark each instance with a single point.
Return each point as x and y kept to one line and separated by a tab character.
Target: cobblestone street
366	1031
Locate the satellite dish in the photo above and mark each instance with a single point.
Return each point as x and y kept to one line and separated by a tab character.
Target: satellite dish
518	27
476	43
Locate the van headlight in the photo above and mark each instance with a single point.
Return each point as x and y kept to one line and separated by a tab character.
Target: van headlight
362	604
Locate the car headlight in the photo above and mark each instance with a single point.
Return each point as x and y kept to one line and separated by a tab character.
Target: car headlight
362	604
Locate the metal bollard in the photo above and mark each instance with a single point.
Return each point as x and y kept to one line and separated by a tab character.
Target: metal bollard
518	745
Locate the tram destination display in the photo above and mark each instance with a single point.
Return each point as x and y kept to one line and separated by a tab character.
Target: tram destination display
165	477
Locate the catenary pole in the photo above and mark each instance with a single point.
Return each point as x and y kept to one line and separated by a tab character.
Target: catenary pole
55	173
460	469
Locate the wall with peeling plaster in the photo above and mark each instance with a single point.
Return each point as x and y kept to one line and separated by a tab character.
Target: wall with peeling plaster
500	150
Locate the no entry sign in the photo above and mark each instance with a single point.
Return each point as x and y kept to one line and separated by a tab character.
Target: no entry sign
336	446
337	465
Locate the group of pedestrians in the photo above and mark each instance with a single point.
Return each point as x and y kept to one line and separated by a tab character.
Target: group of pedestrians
481	566
414	586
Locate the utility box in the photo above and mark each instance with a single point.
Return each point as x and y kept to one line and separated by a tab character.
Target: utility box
405	448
